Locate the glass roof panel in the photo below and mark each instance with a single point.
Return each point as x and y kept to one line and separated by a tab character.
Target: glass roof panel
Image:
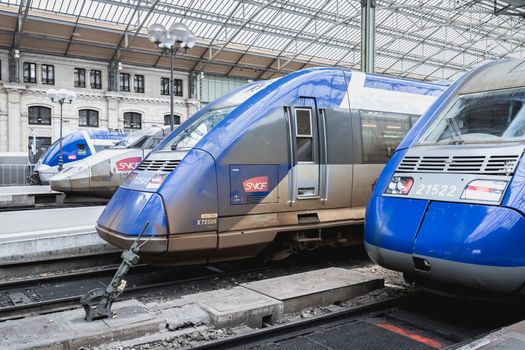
428	39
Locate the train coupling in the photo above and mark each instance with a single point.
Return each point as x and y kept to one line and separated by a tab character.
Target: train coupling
97	302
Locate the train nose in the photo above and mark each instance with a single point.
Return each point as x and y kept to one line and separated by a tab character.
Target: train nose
130	214
78	174
60	182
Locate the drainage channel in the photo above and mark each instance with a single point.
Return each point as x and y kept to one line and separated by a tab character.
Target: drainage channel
419	321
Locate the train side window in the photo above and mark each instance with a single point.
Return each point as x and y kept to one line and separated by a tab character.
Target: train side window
304	135
81	149
381	134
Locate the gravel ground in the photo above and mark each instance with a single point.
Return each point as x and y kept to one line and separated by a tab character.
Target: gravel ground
5	300
346	258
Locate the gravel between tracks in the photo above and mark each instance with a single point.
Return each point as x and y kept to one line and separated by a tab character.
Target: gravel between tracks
354	259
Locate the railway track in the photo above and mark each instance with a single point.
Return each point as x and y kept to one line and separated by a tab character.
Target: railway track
417	321
49	293
44	295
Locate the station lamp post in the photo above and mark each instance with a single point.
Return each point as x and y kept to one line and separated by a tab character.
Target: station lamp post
169	42
61	96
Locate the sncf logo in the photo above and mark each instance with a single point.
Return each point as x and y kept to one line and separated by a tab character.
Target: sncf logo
256	184
128	164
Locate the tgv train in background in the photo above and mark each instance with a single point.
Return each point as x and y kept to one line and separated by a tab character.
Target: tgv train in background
286	165
75	146
101	174
448	209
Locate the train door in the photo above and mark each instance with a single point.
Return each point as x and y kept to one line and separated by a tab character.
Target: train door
306	151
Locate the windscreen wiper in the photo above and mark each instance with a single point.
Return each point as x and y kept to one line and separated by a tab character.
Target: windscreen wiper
454	129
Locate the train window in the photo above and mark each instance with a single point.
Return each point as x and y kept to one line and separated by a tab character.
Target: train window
303	122
196	131
304	135
81	149
381	134
493	116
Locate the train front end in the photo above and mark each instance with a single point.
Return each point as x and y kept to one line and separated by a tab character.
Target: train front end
177	180
447	210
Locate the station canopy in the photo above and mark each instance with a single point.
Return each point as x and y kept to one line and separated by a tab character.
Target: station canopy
261	39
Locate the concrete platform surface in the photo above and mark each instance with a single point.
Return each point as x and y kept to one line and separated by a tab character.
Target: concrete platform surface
13	190
316	288
27	196
68	330
508	338
36	235
43	220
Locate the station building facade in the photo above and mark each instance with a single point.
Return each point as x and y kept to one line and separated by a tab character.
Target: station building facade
141	98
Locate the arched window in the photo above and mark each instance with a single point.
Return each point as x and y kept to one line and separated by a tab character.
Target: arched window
88	117
176	119
132	120
39	115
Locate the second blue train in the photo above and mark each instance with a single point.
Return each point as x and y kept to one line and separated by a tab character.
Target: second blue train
448	209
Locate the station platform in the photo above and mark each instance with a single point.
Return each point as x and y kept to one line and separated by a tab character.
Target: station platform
29	196
60	233
508	338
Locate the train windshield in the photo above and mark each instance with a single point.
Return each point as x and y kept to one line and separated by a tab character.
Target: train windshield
487	117
196	131
136	138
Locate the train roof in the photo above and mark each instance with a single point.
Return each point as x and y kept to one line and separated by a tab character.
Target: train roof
503	74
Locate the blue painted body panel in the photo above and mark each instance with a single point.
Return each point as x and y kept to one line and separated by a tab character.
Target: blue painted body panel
473	234
126	213
394	84
393	223
70	145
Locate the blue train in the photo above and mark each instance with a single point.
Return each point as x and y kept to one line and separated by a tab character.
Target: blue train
75	146
272	168
448	208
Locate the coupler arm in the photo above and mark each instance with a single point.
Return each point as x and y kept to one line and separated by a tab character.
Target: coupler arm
97	302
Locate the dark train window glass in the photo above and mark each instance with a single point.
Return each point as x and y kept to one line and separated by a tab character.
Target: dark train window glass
39	115
48	74
87	117
81	149
132	120
80	77
304	149
494	116
303	122
138	83
381	134
29	72
124	82
176	119
304	135
96	79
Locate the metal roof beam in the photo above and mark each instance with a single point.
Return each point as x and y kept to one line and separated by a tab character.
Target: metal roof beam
23	10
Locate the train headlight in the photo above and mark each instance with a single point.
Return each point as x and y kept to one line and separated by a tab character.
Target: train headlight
399	185
484	190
